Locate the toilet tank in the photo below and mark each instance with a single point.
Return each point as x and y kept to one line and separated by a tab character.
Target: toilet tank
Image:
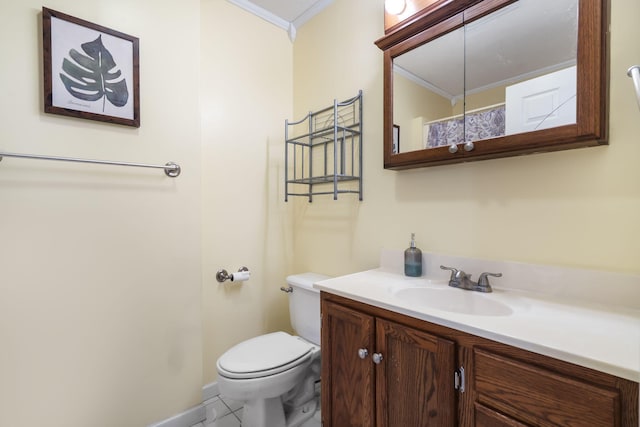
304	305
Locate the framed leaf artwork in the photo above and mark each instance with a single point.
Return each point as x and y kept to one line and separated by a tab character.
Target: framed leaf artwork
90	71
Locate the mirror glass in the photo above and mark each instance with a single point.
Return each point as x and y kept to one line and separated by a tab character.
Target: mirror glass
509	72
427	91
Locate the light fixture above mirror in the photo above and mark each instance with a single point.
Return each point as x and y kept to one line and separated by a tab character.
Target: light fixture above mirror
395	7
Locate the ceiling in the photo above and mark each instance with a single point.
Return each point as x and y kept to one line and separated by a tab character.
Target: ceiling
286	14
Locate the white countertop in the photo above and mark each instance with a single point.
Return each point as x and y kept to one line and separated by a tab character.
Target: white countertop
605	337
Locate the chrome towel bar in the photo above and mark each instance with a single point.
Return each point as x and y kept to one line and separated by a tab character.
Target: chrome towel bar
170	169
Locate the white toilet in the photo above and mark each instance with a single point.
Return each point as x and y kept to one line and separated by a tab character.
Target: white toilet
275	374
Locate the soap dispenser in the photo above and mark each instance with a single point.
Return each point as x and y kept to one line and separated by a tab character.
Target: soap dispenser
413	259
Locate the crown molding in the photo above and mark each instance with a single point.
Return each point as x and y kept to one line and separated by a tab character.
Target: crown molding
311	12
262	13
289	27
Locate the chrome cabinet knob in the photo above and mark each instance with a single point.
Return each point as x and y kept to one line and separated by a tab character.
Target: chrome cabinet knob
469	146
363	353
377	358
453	148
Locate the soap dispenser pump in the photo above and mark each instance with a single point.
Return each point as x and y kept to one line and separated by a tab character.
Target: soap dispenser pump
413	259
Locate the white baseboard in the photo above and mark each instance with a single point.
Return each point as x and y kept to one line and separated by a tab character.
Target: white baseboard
188	418
191	416
210	391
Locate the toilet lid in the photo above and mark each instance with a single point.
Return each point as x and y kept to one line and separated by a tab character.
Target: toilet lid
264	355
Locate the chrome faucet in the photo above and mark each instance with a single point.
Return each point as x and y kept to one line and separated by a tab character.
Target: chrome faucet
462	280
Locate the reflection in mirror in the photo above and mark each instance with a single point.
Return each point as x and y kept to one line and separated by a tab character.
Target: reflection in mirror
424	93
509	72
520	64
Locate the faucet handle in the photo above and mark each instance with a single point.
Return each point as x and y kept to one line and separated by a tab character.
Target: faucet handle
456	274
483	280
454	271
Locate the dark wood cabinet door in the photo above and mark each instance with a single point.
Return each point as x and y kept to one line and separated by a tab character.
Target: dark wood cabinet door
415	379
348	388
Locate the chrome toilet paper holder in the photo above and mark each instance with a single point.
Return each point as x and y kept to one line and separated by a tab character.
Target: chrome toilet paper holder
223	275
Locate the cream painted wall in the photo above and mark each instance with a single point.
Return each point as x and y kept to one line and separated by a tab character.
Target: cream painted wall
247	94
575	208
100	293
109	310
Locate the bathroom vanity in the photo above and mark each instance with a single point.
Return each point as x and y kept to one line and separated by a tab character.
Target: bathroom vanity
399	351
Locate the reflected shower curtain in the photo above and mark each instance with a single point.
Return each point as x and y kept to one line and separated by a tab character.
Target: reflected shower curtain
477	126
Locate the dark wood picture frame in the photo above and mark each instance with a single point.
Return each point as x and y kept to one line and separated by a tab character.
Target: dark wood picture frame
90	71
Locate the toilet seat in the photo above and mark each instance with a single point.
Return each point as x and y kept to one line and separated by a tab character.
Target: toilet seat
277	352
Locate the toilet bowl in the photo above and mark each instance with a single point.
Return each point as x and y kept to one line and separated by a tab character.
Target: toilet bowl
275	374
281	362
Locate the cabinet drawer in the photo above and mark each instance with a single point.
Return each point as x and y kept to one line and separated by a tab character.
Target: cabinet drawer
486	417
531	394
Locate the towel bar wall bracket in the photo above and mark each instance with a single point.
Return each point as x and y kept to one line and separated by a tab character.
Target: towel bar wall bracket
634	73
171	169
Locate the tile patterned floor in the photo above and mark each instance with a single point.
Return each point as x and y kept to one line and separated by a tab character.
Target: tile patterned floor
228	413
223	413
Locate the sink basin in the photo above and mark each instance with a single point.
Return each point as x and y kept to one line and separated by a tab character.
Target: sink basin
454	300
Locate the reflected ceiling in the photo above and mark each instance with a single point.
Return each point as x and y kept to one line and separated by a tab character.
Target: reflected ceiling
495	53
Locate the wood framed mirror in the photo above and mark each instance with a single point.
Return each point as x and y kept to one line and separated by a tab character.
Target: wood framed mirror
479	79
